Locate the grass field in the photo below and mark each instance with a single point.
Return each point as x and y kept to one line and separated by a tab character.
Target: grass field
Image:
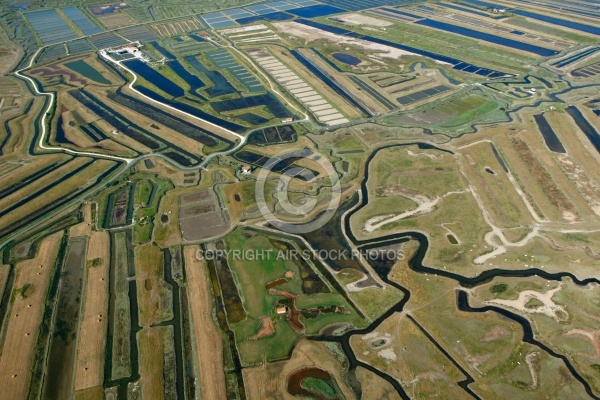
400	349
147	198
423	190
565	322
474	341
501	200
251	278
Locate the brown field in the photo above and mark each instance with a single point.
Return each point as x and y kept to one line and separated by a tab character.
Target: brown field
82	141
72	184
115	19
10	53
90	353
209	345
28	165
95	393
151	344
376	387
24	320
21	129
85	227
154	295
269	381
42	181
3	278
165	133
88	116
201	217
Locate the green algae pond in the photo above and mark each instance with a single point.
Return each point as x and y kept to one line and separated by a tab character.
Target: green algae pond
85	69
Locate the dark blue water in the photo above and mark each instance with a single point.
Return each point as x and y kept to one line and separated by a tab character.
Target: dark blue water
60	132
152	76
221	85
450	60
327	60
316	11
563	8
465	9
198	38
278	16
552	141
573	58
347	58
394	11
274	16
515	44
557	21
269	100
163	51
192	80
192	110
484	4
597	112
585	126
250	20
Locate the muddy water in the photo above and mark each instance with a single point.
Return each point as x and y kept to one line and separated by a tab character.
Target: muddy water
63	347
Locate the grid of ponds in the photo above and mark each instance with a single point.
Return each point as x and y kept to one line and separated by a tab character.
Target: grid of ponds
595	30
224	60
106	39
271	11
79	46
52	53
587	71
138	32
81	20
355	5
566	6
488	37
576	57
423	94
221	85
50	26
154	77
189	46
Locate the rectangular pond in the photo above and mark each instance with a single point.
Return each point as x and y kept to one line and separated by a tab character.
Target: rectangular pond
154	77
552	141
585	126
83	68
492	38
435	56
595	30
